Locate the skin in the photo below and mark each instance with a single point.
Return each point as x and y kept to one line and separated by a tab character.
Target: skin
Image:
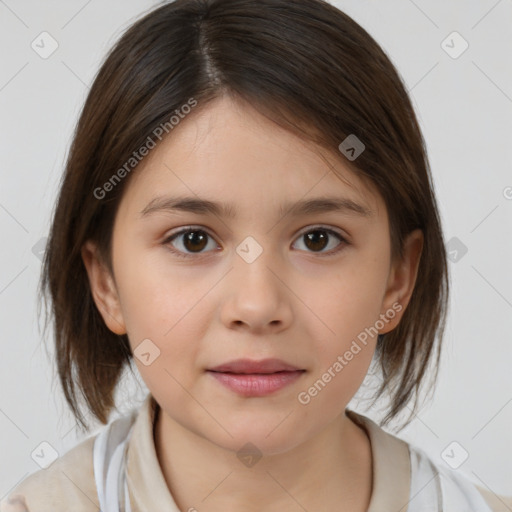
292	303
15	504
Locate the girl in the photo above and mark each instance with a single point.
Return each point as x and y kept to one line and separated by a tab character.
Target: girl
278	138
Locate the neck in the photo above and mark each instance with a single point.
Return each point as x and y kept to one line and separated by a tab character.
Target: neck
332	470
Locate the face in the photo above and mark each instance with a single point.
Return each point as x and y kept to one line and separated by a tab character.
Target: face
195	289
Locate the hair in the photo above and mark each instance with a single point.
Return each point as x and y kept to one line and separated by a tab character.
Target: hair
306	66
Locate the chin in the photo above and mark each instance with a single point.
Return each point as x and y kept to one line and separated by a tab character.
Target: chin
267	438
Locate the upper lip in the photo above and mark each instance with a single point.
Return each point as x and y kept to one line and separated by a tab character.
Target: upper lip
252	366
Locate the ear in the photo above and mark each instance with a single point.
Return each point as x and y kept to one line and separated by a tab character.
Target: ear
103	288
401	281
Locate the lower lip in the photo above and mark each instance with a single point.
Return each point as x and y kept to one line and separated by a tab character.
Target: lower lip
256	384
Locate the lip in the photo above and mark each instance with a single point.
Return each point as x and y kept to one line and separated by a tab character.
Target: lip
247	384
256	378
252	366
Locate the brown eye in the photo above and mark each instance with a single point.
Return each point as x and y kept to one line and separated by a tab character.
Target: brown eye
316	240
195	240
189	241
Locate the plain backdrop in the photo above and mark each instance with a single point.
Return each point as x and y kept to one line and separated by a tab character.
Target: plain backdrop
463	100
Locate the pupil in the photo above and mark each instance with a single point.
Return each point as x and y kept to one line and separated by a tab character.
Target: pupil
192	238
318	239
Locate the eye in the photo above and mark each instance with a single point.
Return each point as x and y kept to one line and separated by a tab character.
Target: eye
189	240
318	238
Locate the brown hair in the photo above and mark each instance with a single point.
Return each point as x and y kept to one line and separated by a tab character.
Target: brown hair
305	65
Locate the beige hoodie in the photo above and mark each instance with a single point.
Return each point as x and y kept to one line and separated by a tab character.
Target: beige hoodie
69	485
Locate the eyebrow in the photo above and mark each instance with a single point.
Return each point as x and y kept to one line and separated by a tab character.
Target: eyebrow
228	210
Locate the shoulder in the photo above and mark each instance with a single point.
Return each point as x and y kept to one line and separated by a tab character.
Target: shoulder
497	503
404	472
68	483
455	487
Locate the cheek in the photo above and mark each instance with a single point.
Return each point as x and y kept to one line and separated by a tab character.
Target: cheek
350	301
342	357
164	307
348	305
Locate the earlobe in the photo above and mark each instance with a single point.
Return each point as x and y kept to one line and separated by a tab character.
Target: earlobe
402	280
103	289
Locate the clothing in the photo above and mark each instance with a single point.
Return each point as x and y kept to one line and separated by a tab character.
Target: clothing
404	478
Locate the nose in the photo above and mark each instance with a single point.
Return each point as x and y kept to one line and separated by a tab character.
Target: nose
257	297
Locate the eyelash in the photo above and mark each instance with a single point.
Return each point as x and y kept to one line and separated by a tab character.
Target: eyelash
181	254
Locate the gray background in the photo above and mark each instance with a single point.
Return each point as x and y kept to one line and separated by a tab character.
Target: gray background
464	105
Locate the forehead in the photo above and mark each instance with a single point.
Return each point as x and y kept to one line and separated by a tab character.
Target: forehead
230	154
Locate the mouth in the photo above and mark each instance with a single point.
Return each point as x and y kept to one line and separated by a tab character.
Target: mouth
251	378
249	366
